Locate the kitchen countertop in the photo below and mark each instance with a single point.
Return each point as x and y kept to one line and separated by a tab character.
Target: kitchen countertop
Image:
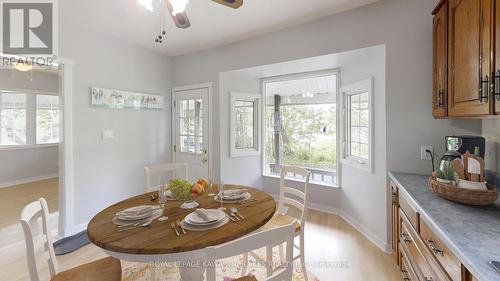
471	233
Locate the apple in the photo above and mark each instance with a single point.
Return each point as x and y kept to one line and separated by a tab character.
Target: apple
197	189
203	182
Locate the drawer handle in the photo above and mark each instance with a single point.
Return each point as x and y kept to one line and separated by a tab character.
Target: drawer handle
405	237
427	278
433	247
405	274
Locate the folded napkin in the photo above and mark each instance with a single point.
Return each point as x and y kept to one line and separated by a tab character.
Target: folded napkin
232	192
144	210
204	215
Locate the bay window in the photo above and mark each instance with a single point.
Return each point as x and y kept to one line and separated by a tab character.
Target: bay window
301	125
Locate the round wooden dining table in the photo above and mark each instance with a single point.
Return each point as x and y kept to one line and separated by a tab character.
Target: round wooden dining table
158	242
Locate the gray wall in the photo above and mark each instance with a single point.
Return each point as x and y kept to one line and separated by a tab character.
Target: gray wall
491	131
19	165
405	28
112	170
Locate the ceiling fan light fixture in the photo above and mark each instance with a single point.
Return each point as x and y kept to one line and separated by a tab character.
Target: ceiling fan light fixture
147	4
23	66
178	6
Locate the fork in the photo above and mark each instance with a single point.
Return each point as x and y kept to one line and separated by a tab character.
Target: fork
175	228
180	226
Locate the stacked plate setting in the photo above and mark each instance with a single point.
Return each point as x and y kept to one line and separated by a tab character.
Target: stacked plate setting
233	196
138	214
205	219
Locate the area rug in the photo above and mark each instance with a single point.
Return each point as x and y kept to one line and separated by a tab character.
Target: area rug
226	270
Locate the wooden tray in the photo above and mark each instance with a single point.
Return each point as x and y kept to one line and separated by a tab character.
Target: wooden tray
462	195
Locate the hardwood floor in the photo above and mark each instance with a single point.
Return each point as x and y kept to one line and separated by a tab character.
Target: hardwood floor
334	249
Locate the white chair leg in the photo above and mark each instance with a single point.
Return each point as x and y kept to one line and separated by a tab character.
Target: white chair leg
245	265
303	256
152	273
269	261
281	253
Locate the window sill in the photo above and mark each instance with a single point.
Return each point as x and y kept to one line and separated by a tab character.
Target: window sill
25	147
299	180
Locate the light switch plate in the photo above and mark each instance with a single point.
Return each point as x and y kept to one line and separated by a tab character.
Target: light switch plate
107	134
423	152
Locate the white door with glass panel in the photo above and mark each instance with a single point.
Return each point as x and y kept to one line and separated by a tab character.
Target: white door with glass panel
191	131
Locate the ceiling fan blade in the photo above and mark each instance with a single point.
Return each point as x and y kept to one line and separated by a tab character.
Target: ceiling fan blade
235	4
181	20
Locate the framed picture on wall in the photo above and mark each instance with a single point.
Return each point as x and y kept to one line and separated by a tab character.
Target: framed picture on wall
117	99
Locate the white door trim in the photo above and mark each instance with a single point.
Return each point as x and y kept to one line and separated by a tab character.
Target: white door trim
66	185
209	86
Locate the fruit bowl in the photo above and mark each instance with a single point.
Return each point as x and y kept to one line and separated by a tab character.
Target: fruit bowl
182	189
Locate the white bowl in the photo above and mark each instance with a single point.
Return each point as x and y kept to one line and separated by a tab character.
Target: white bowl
472	185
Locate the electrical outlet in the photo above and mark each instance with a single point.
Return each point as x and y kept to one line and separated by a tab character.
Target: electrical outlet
107	135
424	155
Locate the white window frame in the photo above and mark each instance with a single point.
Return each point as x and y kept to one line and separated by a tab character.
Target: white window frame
304	75
360	87
30	120
256	100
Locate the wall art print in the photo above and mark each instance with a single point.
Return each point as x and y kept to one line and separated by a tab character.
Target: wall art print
117	99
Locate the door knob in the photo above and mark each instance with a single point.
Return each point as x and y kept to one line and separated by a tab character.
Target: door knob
204	160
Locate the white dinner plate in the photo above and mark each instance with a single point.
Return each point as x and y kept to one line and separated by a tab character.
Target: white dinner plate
156	214
132	217
191	227
195	219
138	210
246	197
232	194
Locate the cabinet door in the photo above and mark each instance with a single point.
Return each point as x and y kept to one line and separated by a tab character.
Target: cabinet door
496	93
395	222
469	57
440	67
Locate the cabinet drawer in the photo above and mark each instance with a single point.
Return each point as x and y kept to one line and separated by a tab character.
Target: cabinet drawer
447	259
407	271
408	209
414	248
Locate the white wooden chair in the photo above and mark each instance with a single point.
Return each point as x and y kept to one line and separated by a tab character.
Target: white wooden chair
299	201
104	269
180	170
279	235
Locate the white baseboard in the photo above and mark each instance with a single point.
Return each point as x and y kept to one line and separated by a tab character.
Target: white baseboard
372	237
24	181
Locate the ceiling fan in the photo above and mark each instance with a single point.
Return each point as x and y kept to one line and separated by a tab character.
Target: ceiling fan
177	9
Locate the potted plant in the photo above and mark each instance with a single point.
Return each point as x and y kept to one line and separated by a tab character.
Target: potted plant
445	173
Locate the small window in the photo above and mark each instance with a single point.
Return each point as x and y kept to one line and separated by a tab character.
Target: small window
245	116
12	118
47	119
358	124
191	126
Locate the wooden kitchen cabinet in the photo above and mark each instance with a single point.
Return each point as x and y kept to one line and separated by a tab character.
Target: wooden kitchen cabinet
465	36
395	223
420	253
440	62
469	57
496	55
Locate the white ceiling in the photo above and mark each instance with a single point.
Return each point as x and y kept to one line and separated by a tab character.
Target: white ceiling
212	24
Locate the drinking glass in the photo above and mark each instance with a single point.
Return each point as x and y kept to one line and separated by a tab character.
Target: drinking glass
162	199
221	196
211	184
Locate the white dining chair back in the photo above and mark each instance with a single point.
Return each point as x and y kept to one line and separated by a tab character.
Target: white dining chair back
179	170
29	215
279	235
298	198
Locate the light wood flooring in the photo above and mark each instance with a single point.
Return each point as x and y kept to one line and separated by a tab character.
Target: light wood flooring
334	249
